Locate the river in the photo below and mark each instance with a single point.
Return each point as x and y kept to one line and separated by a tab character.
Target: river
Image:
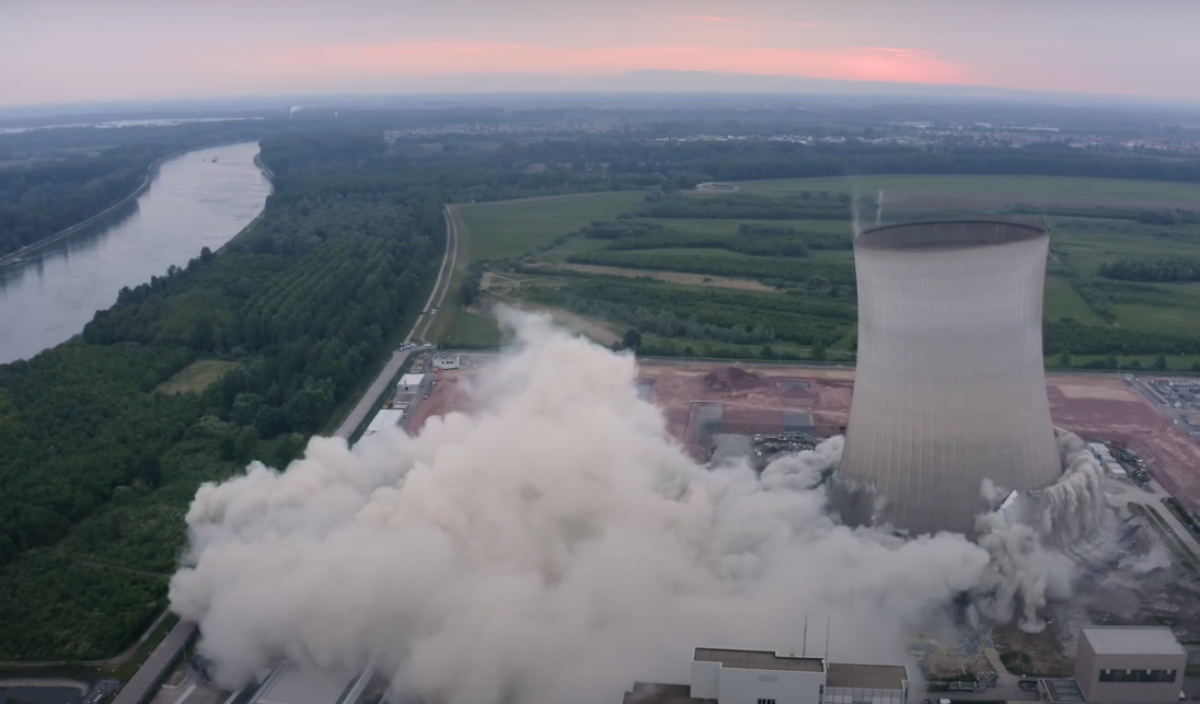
194	202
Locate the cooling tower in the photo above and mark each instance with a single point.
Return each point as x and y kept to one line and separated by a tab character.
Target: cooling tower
950	388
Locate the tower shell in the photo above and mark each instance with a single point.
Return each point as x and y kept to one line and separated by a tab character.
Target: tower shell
950	387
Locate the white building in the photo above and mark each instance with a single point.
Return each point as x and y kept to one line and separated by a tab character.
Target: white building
724	676
447	361
411	383
1130	664
288	684
384	418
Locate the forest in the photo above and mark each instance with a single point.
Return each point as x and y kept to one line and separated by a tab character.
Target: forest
102	467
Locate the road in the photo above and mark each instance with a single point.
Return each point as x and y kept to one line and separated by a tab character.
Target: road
366	404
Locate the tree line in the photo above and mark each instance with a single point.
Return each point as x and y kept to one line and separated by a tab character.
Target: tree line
1159	270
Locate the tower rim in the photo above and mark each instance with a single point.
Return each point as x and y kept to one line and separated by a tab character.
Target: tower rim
947	234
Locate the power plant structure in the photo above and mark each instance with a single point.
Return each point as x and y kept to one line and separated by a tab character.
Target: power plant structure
950	388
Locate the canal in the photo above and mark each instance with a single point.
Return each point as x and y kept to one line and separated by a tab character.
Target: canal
194	202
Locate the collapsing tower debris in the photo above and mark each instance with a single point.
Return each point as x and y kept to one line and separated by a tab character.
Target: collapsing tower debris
950	413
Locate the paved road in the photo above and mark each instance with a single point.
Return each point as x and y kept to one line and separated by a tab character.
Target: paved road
146	680
366	404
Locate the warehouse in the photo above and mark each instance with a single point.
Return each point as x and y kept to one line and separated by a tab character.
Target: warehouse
1134	664
727	676
288	684
410	383
384	418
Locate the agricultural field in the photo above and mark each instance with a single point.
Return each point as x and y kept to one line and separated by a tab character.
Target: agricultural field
767	271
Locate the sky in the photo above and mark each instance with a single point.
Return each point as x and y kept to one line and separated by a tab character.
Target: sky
69	51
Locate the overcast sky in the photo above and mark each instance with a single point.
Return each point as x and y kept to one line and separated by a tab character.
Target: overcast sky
55	51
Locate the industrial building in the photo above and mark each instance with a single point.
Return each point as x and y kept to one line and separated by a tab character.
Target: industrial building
1130	665
949	388
288	684
384	418
725	676
447	361
411	383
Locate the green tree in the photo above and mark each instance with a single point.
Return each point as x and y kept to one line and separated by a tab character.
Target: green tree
1064	359
247	441
1160	363
818	352
632	339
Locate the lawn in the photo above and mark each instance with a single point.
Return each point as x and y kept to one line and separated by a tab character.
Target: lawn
511	229
196	377
1039	187
1063	301
473	331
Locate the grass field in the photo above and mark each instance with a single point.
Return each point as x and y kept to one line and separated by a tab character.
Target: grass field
195	377
1063	301
1014	187
515	228
472	330
538	231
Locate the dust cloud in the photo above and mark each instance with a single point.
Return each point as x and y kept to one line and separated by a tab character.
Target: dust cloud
556	544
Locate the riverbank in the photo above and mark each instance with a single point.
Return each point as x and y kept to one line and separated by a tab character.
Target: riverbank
190	203
151	172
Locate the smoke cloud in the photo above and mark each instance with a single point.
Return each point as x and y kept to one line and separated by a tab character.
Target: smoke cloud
553	545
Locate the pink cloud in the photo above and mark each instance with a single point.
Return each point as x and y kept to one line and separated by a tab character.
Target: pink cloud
453	56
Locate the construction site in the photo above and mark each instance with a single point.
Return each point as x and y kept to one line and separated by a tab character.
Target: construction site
718	412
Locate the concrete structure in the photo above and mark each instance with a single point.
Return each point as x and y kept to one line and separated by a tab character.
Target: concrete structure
447	361
144	683
1130	664
384	418
290	685
410	383
949	387
724	676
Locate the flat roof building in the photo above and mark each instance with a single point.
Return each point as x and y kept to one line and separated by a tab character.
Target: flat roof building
288	684
732	676
447	361
410	382
1130	664
384	418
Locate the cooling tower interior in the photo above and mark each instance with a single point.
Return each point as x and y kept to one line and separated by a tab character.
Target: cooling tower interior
950	388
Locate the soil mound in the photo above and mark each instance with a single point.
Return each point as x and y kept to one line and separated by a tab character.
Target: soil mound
730	379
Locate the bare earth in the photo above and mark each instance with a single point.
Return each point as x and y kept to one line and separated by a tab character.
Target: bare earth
1100	407
668	276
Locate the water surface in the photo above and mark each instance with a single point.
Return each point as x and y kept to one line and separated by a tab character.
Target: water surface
193	203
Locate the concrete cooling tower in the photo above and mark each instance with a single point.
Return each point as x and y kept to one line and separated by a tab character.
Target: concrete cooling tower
950	389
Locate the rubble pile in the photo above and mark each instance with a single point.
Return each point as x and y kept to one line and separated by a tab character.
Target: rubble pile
731	379
768	445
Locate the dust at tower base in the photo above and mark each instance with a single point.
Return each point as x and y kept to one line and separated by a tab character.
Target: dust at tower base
949	388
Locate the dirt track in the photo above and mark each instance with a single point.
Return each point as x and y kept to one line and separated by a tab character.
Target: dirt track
668	276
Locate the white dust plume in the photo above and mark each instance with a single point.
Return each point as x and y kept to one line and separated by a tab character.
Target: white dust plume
553	545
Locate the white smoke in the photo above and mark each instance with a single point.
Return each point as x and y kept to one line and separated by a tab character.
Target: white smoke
553	545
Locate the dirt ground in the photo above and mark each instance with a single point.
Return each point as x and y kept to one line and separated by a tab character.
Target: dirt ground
1105	407
668	276
1100	407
